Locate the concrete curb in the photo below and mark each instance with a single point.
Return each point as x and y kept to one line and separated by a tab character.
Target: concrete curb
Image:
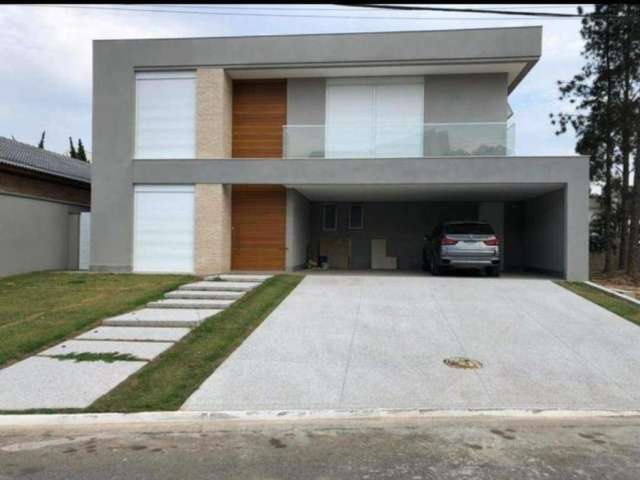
614	293
88	419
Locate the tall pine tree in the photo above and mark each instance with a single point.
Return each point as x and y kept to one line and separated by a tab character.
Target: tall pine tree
72	149
81	154
598	95
41	142
632	117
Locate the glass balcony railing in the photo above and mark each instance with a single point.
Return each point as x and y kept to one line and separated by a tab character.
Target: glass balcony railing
380	141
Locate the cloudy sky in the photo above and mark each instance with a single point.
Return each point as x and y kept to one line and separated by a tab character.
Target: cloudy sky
45	72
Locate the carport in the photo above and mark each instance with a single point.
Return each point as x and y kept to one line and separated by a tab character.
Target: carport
543	202
347	224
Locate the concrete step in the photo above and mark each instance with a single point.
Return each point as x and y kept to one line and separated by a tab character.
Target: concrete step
203	295
147	334
220	286
162	317
191	304
140	350
238	277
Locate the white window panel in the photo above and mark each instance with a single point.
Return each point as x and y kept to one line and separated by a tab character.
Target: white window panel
349	121
374	117
165	115
163	228
399	114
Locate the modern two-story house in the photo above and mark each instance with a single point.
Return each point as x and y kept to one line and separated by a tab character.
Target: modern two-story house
262	153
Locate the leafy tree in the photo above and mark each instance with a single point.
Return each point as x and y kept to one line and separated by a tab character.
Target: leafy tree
41	142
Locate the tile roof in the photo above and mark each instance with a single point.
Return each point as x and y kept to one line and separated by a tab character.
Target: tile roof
22	155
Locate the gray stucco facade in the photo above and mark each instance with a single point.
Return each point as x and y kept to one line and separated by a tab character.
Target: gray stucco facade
298	234
468	75
480	97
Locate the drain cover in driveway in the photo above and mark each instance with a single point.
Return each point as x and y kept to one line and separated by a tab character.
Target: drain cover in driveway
462	362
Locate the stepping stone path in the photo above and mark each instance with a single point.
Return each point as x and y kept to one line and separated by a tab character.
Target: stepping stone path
44	381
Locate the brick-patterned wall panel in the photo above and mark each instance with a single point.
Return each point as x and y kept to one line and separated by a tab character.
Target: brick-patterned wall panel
258	227
11	182
213	229
259	114
214	113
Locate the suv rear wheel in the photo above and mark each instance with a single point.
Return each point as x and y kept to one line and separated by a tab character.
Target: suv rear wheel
435	268
493	271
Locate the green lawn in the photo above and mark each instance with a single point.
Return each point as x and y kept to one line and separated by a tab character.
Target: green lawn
166	382
40	309
616	305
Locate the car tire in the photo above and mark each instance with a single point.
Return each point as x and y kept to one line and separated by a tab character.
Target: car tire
426	265
493	271
435	268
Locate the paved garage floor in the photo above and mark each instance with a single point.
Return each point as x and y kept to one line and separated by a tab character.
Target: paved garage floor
367	341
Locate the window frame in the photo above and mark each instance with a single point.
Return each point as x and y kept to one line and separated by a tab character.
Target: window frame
324	217
361	226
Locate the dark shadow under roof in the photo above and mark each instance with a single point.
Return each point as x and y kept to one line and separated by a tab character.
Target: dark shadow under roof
22	155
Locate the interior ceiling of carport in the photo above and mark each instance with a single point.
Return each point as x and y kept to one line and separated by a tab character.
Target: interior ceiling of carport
435	192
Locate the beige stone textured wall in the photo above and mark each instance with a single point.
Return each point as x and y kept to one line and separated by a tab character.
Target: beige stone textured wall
214	113
213	201
213	228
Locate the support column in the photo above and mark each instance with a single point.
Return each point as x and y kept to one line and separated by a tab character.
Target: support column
213	200
576	203
213	228
214	113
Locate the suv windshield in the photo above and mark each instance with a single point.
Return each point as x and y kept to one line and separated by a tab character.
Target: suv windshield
468	229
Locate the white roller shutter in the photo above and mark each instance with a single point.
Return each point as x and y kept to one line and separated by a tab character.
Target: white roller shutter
350	121
374	117
165	116
399	119
163	228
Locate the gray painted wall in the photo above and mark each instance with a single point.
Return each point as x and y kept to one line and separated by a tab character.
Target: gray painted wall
402	224
306	101
34	234
298	230
513	246
73	231
465	98
544	239
447	98
493	213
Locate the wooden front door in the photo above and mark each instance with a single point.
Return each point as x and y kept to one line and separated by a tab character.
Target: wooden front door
258	218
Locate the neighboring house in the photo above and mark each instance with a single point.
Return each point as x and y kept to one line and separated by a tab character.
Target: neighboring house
259	153
42	195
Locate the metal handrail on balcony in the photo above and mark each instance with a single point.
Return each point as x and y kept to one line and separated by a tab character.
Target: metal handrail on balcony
399	140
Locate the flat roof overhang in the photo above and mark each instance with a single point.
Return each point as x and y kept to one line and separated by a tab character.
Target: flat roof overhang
515	70
368	171
512	50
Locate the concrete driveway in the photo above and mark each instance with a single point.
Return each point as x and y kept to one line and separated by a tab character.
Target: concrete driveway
367	341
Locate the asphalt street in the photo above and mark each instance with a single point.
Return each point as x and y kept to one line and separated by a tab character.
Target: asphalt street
416	449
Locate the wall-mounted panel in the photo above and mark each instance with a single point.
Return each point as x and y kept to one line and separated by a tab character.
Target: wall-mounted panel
258	216
259	115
